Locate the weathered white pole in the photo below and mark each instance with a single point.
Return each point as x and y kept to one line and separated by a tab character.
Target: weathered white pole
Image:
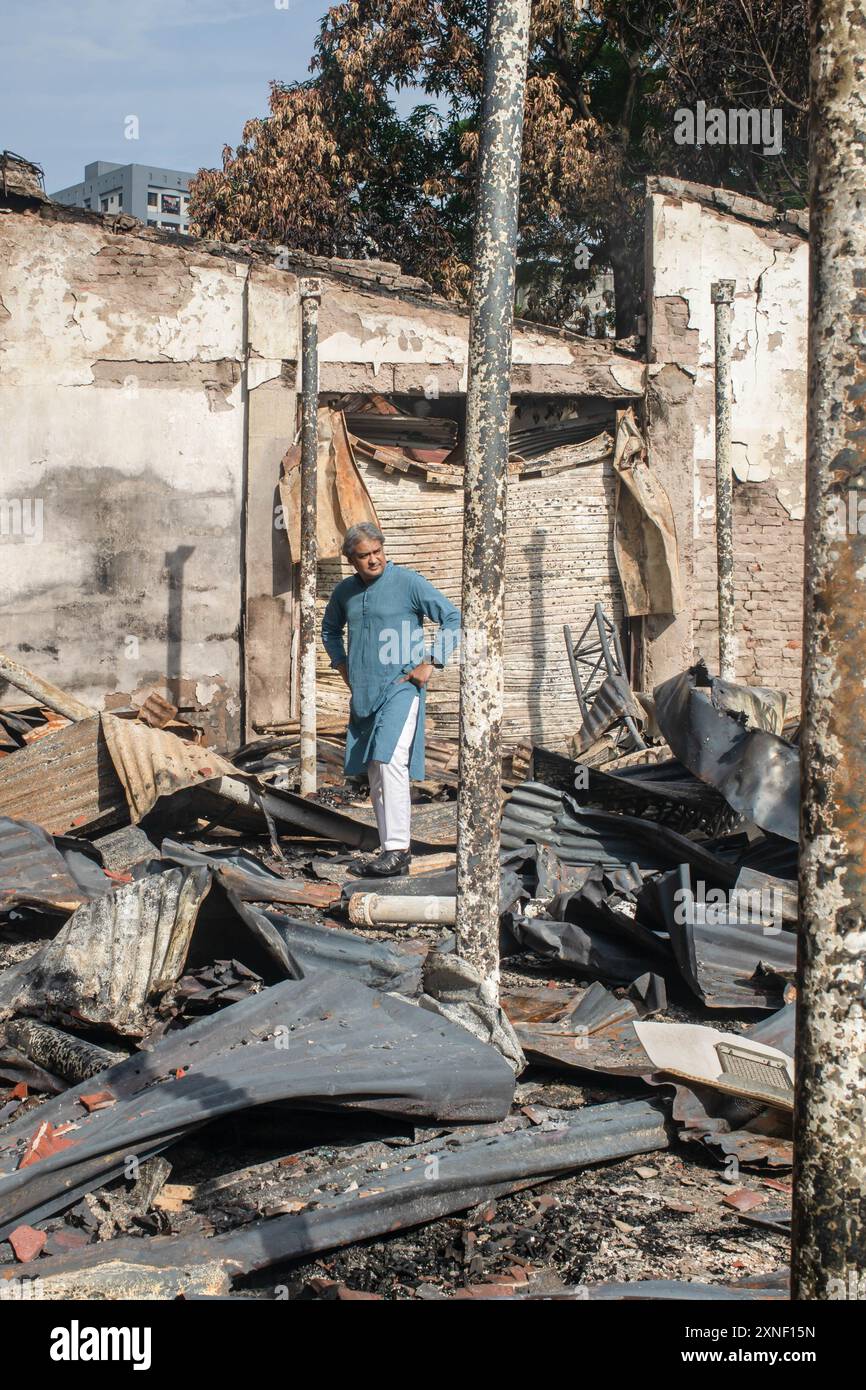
722	293
310	291
829	1231
487	422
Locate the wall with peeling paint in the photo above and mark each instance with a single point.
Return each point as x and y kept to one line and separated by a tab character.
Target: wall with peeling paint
692	240
149	392
120	381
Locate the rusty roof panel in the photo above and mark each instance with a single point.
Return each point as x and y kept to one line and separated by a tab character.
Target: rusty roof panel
64	782
153	763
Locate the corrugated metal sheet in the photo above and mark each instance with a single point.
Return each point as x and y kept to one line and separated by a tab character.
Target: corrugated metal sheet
361	1200
64	782
32	869
154	763
537	813
349	1048
117	953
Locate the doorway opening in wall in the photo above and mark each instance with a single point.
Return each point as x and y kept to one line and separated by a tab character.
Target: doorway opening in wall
399	460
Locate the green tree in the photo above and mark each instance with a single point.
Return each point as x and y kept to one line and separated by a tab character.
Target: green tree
334	170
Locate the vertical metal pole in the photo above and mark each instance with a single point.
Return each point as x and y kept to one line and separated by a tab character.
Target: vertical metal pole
310	291
829	1234
722	293
487	422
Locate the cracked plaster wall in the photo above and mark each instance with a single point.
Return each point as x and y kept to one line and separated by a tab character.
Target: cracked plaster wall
689	246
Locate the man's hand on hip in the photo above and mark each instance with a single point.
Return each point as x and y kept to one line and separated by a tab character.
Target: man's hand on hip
420	676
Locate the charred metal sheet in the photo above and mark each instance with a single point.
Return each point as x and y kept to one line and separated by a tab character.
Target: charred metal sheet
537	814
116	954
64	782
664	792
249	879
756	1136
250	800
590	1032
719	732
770	1288
778	1029
323	1041
15	1066
781	890
604	953
730	953
543	875
443	884
300	948
154	763
613	704
61	1054
446	1175
32	869
120	850
594	929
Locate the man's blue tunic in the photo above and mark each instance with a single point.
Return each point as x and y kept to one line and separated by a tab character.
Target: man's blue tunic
386	639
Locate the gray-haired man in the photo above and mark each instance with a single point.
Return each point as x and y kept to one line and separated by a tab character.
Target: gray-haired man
387	668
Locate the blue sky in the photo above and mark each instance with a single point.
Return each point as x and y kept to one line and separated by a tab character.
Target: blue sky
192	71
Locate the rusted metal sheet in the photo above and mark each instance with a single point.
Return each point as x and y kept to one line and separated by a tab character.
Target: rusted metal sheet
32	869
157	712
249	879
590	1030
363	1199
342	499
613	704
152	762
64	782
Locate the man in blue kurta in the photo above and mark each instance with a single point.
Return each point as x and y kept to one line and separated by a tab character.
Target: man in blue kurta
387	668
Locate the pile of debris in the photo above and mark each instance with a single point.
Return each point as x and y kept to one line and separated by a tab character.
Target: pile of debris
191	968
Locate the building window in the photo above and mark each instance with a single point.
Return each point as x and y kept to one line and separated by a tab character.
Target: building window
87	203
151	198
103	205
152	222
171	203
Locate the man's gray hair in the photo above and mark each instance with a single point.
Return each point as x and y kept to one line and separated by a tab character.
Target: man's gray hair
364	531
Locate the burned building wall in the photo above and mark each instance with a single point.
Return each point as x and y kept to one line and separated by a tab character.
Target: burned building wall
123	438
149	392
695	236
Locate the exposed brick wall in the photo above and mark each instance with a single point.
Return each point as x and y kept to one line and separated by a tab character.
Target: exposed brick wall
768	552
693	239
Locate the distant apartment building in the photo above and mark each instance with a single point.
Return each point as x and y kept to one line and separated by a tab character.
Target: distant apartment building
158	197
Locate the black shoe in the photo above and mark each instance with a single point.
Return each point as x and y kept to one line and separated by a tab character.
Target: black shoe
388	864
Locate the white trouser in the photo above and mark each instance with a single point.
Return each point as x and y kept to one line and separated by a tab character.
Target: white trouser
389	789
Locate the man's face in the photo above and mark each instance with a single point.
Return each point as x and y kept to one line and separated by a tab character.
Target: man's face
368	560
